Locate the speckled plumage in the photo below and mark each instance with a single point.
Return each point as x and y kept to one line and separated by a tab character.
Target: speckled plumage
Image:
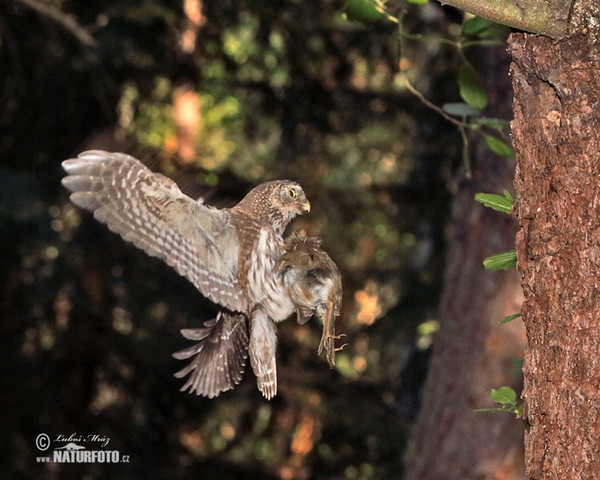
230	255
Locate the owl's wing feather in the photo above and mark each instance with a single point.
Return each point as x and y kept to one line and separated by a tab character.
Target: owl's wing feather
149	210
219	357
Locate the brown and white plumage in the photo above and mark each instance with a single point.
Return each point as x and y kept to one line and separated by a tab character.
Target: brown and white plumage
313	284
149	210
262	349
229	255
219	357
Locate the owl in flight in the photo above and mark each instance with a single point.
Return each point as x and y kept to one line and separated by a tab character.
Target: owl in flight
236	257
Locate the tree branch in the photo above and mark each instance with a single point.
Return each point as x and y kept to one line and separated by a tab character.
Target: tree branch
63	20
535	16
431	105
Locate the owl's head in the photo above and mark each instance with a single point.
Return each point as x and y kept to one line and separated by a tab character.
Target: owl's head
277	202
288	196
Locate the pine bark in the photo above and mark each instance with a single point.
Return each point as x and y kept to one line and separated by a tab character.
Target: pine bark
556	135
472	353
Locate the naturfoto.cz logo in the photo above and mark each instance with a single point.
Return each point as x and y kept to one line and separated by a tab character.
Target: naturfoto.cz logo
77	448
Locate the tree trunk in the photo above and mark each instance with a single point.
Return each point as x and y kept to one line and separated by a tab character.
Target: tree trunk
556	134
472	353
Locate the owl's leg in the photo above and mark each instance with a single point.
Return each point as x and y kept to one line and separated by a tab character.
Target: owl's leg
263	344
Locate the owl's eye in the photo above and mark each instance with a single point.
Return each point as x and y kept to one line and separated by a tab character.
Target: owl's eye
292	193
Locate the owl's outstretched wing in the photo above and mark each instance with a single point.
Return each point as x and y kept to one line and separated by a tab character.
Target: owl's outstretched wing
149	210
219	357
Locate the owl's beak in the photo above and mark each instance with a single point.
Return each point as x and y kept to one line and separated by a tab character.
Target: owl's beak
306	206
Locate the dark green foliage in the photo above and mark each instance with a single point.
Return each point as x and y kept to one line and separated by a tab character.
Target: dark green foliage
472	90
499	147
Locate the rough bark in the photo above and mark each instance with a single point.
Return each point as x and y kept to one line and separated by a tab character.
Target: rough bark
556	135
472	353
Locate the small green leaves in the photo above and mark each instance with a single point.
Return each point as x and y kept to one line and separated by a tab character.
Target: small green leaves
367	11
501	261
496	202
500	203
506	397
471	88
509	318
499	147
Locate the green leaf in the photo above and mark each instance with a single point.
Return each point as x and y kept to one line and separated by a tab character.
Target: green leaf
507	398
475	25
509	318
504	396
417	1
471	87
496	202
367	11
460	110
501	261
499	147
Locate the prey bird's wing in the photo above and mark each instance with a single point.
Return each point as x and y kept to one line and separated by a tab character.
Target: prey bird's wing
149	210
314	285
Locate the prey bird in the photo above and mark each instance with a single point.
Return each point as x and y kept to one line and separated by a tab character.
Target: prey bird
236	257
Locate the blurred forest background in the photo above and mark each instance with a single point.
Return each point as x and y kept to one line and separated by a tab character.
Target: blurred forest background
222	95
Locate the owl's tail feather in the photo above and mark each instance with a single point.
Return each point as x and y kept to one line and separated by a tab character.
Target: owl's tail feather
219	356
